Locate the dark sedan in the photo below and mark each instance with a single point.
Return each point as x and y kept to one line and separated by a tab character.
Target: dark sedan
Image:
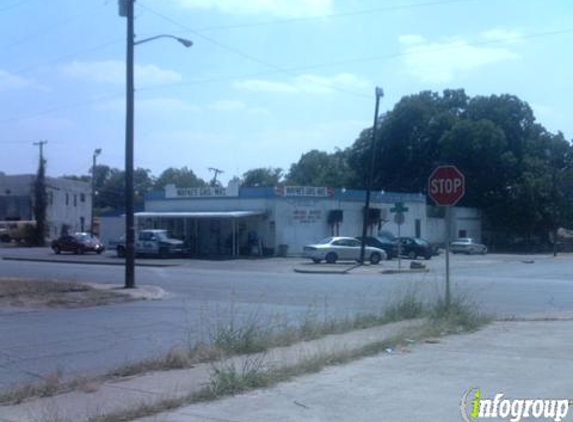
79	243
390	246
414	247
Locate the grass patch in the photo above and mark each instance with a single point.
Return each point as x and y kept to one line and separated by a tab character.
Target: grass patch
254	334
250	372
54	294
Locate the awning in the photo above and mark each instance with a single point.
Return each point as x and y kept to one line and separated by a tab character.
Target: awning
199	214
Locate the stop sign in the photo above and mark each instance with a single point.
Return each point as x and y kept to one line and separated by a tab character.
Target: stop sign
446	185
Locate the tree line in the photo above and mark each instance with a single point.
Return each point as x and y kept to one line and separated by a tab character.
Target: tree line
517	172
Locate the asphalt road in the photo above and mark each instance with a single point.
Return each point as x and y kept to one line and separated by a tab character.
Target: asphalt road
202	294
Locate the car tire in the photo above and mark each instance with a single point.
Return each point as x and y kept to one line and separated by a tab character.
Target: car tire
412	255
57	250
99	251
428	257
5	238
121	252
375	258
331	258
316	261
163	253
484	250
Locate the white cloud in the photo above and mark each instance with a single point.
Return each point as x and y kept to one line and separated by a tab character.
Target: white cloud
9	81
277	8
113	72
502	34
440	62
306	83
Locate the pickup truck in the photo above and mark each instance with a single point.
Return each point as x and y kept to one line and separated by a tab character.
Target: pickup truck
153	242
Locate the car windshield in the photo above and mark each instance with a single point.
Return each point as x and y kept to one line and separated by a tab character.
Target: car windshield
324	241
83	237
421	242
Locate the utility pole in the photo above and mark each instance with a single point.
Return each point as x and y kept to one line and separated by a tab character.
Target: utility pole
96	153
41	145
379	94
126	7
217	172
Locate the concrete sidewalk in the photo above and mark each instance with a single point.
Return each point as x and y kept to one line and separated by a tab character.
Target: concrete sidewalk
118	395
426	381
528	359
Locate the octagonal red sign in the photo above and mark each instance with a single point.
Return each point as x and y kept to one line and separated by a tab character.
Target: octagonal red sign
446	185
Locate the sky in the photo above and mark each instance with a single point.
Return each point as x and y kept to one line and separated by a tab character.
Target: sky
265	80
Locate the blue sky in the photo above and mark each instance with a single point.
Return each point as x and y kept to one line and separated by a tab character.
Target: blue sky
265	81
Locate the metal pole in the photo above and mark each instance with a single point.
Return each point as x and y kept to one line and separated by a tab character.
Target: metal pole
379	94
129	188
448	234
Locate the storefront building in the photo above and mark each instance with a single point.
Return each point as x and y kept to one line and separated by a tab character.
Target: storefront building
237	221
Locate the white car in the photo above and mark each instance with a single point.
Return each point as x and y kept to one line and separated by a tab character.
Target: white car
468	246
332	249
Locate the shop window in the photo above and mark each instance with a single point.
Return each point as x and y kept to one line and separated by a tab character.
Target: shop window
82	197
67	199
75	200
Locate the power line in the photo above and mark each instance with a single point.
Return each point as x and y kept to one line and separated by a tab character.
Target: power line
248	56
77	104
64	21
13	5
67	56
355	60
333	15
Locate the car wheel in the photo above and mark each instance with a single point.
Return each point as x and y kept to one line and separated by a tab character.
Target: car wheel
427	257
99	251
163	253
121	252
484	250
412	255
375	258
57	250
5	238
82	251
331	257
316	261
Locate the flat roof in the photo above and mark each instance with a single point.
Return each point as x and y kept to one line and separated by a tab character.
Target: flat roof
199	214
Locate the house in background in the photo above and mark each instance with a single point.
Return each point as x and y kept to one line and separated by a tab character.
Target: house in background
69	202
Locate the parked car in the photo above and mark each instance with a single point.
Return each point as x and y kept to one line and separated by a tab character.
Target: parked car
414	247
78	243
468	246
390	246
332	249
153	242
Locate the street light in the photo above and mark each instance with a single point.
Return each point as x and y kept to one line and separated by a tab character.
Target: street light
96	153
379	94
126	9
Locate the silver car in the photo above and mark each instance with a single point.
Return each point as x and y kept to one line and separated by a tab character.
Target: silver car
468	246
332	249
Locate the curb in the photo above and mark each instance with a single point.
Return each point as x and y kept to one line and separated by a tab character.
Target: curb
71	261
406	271
303	271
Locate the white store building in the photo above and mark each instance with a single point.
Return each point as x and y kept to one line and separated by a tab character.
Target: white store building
237	221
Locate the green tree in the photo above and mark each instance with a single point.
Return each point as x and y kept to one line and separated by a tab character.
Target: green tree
262	177
318	168
40	203
183	178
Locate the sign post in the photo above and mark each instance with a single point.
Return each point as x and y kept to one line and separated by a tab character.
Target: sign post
399	219
446	186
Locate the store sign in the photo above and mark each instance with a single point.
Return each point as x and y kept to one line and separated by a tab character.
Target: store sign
307	191
205	192
306	216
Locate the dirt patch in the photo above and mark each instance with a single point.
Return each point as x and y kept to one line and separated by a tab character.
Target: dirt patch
55	294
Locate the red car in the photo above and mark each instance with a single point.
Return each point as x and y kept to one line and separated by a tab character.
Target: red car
79	243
